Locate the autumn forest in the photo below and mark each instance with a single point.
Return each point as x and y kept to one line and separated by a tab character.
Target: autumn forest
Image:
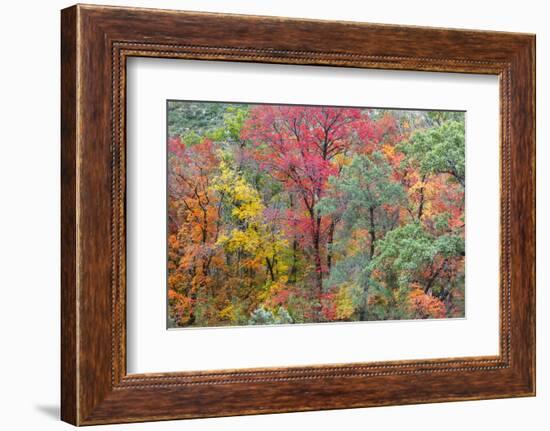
286	214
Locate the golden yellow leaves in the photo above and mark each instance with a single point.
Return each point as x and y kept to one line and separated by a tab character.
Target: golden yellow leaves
253	236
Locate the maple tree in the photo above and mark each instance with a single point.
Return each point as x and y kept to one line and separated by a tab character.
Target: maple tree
292	214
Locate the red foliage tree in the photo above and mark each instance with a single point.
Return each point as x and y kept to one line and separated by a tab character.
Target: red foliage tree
300	146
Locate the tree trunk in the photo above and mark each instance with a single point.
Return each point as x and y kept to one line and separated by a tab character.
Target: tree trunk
421	204
364	306
270	268
318	264
317	255
372	232
329	246
294	266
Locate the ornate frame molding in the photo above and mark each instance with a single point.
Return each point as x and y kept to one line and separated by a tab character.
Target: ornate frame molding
96	41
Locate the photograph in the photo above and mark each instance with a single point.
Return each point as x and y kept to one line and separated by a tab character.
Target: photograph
301	214
264	216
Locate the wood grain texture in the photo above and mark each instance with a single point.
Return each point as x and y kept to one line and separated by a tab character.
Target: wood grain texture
69	397
96	41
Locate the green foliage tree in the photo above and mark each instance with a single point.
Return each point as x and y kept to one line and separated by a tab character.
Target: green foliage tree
410	256
407	251
261	316
439	150
364	197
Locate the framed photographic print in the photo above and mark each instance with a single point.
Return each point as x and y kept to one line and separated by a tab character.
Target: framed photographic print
266	215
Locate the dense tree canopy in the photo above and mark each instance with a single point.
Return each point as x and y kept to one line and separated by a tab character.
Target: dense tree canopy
294	214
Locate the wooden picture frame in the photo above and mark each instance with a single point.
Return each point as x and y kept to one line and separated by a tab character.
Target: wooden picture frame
96	41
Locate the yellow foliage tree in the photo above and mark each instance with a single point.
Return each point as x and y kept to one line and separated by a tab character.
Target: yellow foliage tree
253	237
